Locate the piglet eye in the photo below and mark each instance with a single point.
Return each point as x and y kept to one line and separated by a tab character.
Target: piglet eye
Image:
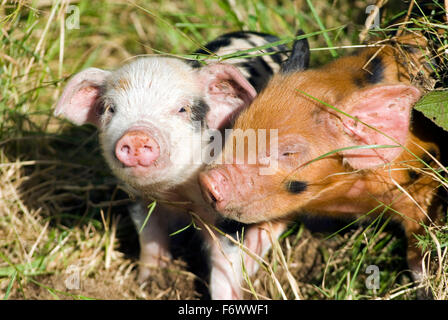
185	108
106	108
109	108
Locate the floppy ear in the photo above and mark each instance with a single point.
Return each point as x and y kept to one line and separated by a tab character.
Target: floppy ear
299	59
80	97
226	92
386	108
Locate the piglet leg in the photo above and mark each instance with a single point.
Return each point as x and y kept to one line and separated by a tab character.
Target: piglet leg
258	240
227	258
154	241
226	271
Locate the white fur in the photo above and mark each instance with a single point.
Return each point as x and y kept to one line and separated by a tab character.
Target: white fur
158	88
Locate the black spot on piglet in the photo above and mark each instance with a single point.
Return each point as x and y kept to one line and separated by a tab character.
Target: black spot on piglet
296	187
413	175
375	71
199	110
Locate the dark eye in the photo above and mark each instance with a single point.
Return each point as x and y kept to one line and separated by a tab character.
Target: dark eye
185	108
106	108
287	154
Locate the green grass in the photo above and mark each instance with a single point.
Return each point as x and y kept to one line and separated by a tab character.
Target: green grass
59	203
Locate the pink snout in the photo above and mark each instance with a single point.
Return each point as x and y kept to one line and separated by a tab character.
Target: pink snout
137	148
215	188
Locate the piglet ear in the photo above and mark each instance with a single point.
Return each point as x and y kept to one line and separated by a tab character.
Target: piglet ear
227	92
80	97
386	108
299	58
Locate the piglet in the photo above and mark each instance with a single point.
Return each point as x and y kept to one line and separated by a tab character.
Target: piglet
343	145
149	114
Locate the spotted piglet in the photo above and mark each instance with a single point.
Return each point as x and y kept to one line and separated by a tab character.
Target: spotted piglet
148	113
347	145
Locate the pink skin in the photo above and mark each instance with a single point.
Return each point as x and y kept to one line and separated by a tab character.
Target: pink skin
215	188
234	191
137	148
220	191
141	153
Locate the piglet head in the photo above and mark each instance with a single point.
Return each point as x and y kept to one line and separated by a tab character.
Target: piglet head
305	179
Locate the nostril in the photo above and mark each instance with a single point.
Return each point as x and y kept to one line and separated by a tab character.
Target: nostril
207	188
125	149
212	197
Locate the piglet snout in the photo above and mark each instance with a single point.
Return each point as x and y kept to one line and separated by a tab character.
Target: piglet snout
215	188
137	148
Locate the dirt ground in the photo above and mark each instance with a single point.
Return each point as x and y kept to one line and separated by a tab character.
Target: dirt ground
305	252
176	281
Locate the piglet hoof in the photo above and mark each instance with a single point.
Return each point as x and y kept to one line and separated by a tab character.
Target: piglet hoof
150	265
424	292
143	274
225	291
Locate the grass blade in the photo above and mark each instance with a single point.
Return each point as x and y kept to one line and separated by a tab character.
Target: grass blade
322	27
151	208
